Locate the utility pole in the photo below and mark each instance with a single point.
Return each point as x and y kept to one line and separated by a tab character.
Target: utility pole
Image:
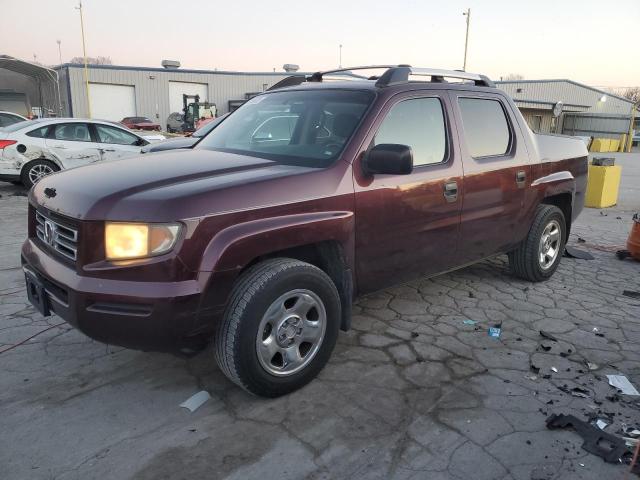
59	51
340	57
634	110
84	52
466	38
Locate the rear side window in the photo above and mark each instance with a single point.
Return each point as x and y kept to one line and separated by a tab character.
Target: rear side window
38	132
72	132
485	127
418	123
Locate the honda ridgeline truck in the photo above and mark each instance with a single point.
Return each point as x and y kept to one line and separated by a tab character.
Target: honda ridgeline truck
320	190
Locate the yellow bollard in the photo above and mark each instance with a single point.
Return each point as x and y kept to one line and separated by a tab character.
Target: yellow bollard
603	186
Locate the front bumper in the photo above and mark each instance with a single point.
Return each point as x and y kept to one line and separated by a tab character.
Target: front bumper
158	316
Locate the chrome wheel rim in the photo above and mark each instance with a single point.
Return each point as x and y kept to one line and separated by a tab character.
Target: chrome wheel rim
38	171
550	242
291	332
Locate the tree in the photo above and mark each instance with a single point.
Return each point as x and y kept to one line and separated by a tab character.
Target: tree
93	60
514	76
632	93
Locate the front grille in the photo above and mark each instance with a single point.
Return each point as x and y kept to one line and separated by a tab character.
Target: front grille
61	238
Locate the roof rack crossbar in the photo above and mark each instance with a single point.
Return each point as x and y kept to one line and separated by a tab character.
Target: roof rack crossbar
317	76
401	75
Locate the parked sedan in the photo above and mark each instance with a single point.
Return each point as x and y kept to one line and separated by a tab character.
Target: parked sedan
184	142
140	123
31	149
9	118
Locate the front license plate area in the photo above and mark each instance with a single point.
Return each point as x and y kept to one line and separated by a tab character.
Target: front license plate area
36	294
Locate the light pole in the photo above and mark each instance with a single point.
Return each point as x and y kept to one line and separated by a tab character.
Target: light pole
59	51
466	38
84	52
340	57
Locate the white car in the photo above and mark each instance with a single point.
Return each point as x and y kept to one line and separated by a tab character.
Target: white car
9	118
32	149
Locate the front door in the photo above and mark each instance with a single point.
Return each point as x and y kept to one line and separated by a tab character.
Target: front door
72	144
116	143
495	213
407	225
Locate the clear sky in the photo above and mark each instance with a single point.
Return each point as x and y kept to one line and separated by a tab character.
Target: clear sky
586	40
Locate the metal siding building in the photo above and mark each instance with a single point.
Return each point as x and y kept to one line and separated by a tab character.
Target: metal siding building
152	87
584	112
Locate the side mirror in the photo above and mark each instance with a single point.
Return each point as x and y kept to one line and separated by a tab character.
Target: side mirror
141	142
389	159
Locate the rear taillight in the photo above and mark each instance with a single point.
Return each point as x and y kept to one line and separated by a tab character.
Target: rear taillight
6	143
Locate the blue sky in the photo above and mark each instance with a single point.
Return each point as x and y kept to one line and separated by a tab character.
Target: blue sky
588	41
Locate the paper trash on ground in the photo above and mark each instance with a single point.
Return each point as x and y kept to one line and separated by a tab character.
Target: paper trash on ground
196	401
601	424
622	383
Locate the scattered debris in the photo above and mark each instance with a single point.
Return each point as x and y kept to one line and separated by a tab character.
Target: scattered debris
623	384
632	432
196	401
595	329
573	252
548	336
495	331
581	240
592	366
631	294
603	444
531	377
469	322
623	254
415	334
601	424
554	369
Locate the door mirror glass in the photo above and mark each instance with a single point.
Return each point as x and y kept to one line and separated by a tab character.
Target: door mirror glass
389	159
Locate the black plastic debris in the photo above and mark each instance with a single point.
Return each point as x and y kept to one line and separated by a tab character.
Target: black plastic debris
603	161
595	441
623	254
573	252
548	336
631	294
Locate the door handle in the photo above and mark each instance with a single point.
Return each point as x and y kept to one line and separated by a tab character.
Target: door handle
106	149
61	147
521	178
451	191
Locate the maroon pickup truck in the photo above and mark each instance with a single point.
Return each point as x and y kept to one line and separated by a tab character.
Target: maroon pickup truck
322	189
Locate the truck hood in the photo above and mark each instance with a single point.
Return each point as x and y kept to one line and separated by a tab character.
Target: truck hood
163	187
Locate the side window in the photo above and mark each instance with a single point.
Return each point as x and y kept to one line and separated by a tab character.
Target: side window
72	132
107	134
485	127
38	132
418	123
6	120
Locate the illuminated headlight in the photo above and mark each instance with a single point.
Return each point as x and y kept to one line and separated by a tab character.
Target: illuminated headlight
123	241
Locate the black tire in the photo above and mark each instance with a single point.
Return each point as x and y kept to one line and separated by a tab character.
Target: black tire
256	290
25	177
525	260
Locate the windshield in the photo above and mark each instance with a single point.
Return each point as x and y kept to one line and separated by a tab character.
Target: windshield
205	129
20	125
302	127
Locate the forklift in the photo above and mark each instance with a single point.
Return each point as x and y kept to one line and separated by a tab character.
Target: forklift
195	111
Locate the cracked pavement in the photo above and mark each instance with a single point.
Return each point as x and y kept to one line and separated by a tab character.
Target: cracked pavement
411	392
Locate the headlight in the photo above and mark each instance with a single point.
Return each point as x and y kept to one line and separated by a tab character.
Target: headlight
138	240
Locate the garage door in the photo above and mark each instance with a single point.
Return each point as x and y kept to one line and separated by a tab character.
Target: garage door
112	102
177	89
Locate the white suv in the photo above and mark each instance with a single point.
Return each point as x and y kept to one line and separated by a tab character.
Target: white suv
32	149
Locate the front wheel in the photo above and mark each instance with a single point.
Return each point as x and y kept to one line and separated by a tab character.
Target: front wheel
279	328
35	170
538	256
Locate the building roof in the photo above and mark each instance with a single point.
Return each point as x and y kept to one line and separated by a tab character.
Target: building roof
566	80
34	70
172	70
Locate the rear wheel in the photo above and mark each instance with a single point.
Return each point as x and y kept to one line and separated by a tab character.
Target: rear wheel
538	256
280	327
33	171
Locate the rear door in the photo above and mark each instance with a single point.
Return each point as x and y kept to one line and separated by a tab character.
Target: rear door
72	144
407	225
116	143
497	175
